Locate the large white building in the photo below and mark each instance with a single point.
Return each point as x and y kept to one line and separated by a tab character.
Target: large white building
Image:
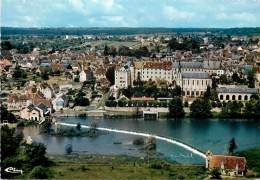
194	84
235	93
152	70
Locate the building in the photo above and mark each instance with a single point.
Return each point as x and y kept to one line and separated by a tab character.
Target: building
235	93
60	102
228	165
82	75
155	70
46	90
194	84
122	77
35	113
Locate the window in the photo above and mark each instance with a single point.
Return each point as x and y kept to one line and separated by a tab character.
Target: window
233	97
239	97
246	98
221	97
227	97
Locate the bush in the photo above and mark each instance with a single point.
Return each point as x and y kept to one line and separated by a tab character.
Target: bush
138	141
201	108
40	172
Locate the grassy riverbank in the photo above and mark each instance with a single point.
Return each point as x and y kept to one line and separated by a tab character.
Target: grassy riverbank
253	161
120	167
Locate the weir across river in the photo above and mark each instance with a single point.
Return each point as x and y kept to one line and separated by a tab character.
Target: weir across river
169	140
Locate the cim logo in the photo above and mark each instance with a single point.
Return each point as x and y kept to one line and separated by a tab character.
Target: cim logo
13	170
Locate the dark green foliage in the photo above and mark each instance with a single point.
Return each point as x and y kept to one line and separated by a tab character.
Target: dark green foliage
110	75
40	172
19	73
188	45
80	100
215	174
111	103
6	45
252	109
251	78
253	159
201	108
10	141
35	154
176	108
232	146
232	109
6	115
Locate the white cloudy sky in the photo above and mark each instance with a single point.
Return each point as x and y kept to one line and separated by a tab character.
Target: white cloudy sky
130	13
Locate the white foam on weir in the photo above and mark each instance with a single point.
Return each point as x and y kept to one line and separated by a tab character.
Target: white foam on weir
171	141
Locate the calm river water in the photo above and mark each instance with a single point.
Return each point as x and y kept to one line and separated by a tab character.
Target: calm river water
203	134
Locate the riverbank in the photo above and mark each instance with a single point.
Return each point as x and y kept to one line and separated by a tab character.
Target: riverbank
253	161
120	167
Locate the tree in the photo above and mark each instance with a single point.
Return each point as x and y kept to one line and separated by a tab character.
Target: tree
110	75
19	73
78	127
176	91
232	146
215	173
68	149
252	109
10	141
39	172
35	154
201	108
232	109
176	108
45	76
6	115
251	78
106	50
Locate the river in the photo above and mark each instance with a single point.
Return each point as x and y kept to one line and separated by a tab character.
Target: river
205	135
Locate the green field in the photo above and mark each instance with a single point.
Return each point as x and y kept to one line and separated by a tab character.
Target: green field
120	167
115	43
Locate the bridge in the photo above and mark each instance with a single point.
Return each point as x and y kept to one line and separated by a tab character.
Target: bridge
165	139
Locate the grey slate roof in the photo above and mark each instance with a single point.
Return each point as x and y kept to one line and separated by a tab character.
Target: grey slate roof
195	75
188	64
241	90
211	64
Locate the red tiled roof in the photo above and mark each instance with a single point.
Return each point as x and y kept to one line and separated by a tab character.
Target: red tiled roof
166	65
229	162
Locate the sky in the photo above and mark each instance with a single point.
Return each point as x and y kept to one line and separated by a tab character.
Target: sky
131	13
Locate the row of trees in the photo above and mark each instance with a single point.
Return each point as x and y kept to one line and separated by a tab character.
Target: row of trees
126	51
188	44
150	90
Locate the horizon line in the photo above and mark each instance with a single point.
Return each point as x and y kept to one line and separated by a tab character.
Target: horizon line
147	27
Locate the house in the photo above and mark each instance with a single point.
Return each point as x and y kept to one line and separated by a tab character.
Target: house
34	113
228	165
16	103
60	102
235	93
46	90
